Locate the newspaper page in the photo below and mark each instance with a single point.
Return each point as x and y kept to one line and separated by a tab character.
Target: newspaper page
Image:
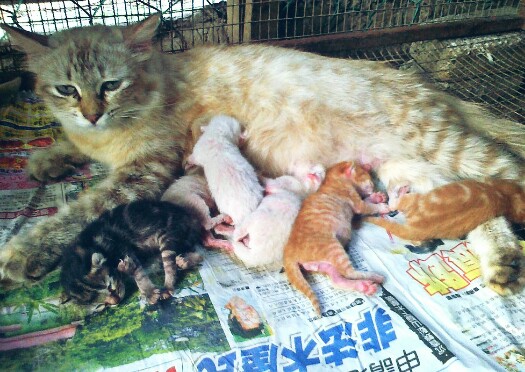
444	286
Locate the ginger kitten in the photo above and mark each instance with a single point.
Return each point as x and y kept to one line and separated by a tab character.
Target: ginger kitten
322	230
453	210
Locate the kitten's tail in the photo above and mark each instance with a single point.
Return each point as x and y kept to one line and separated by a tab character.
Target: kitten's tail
400	230
297	279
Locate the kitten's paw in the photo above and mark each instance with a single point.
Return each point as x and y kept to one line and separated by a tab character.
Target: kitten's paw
188	260
218	220
154	296
367	287
46	165
126	266
377	198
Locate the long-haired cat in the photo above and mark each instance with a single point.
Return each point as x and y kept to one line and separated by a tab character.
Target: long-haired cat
232	180
322	229
119	241
453	210
127	105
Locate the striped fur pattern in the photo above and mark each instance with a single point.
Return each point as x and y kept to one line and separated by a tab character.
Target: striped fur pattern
322	229
453	210
134	109
119	242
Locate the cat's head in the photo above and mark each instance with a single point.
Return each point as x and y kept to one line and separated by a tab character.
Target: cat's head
88	279
354	174
94	77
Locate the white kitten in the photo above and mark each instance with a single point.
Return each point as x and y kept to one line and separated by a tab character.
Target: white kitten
231	178
259	240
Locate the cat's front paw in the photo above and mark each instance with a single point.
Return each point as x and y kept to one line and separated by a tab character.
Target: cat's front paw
13	263
46	165
501	257
505	275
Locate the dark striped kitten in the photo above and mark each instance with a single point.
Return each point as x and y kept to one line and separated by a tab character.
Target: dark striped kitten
119	241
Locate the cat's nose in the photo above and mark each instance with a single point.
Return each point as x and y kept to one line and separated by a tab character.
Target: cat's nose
93	118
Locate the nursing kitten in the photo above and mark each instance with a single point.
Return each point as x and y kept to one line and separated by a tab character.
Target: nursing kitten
125	104
119	241
453	210
231	179
191	192
322	230
260	238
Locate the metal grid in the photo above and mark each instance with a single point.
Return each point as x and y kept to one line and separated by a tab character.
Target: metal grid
190	22
488	70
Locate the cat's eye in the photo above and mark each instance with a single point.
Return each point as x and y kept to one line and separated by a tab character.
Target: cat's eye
109	86
66	90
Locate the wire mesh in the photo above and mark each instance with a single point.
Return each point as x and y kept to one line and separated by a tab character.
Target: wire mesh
190	22
489	69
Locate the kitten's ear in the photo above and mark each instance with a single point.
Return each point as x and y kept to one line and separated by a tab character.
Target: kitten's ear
29	42
97	260
350	170
139	35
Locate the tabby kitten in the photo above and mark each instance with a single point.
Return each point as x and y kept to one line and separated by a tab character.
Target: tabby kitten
125	104
119	241
322	230
453	210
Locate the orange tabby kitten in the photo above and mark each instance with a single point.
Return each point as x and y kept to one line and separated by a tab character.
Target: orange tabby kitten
453	210
322	230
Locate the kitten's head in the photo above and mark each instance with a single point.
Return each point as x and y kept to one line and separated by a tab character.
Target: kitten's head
225	127
353	174
87	279
94	77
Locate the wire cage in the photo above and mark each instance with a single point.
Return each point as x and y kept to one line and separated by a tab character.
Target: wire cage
487	69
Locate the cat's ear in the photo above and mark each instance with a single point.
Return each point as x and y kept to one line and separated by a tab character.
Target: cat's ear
350	170
139	36
97	260
29	42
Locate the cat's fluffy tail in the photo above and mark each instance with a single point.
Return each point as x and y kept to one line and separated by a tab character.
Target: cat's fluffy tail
297	279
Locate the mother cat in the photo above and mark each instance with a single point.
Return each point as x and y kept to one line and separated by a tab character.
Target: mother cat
132	108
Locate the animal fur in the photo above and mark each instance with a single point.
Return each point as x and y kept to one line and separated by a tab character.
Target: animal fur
451	211
322	229
231	179
296	107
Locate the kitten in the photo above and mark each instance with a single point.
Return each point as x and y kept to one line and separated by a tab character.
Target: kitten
260	238
231	179
322	230
119	241
191	191
453	210
125	104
